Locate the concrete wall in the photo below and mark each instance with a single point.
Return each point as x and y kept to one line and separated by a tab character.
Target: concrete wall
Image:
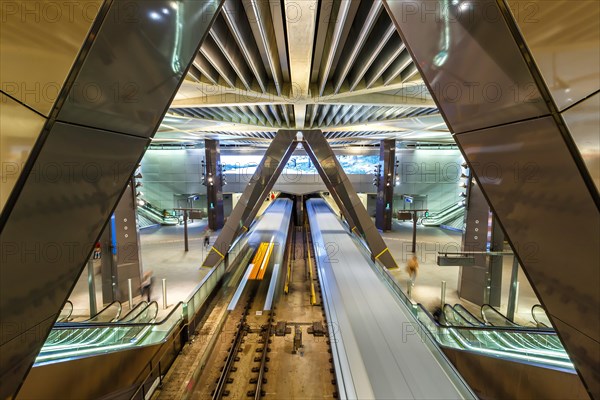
169	173
434	173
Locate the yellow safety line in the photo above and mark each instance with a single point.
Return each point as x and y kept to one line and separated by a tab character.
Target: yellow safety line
313	296
261	270
218	252
353	229
243	227
286	287
383	251
257	261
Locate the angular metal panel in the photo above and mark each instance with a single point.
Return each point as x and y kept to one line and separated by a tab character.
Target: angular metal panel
315	142
137	61
39	42
583	122
584	352
564	39
262	181
19	129
17	356
540	198
67	198
495	90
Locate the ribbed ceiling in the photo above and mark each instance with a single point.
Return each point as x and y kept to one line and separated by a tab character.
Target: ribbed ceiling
311	64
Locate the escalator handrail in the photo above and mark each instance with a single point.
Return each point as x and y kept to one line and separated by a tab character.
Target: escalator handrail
91	325
502	316
91	319
134	312
456	315
65	318
538	323
515	329
462	309
445	212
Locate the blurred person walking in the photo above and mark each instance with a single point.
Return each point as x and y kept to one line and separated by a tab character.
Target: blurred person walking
412	267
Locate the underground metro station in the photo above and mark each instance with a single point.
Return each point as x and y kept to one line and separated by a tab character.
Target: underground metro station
299	199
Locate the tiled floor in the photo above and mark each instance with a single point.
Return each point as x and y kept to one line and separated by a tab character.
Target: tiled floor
427	289
163	253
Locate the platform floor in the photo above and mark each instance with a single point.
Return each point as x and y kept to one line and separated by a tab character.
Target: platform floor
163	253
427	289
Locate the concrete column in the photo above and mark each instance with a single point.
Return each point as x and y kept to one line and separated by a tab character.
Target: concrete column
481	283
214	184
385	188
121	251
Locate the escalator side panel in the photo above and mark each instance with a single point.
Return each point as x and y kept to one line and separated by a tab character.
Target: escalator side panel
494	378
97	376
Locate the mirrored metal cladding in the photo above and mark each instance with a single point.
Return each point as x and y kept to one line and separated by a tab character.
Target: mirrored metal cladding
470	60
19	129
563	37
536	192
40	41
134	66
583	121
130	73
66	200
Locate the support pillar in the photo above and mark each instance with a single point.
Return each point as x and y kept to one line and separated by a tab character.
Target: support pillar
214	184
121	258
481	283
385	187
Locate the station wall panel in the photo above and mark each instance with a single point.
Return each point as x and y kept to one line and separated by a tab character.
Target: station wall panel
67	198
564	39
136	63
52	32
19	129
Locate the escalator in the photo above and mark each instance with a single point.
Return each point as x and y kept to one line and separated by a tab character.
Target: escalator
466	314
115	356
493	317
67	340
446	215
149	212
500	359
110	357
110	313
460	330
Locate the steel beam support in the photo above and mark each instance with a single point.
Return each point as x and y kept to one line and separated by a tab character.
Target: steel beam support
315	142
261	182
268	172
214	184
385	187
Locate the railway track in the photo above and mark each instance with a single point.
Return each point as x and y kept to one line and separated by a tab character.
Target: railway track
252	341
244	368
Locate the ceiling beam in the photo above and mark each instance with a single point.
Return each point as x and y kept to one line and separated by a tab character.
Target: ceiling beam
301	24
